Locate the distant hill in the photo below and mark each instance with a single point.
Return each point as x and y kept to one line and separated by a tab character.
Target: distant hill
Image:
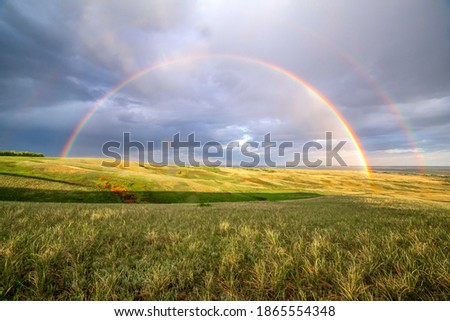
85	180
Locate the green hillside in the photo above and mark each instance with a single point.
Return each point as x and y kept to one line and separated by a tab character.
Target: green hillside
85	180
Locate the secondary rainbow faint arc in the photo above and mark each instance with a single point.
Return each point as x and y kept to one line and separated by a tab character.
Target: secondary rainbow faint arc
257	61
362	72
401	119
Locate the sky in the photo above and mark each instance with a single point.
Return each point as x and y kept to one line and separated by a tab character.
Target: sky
383	65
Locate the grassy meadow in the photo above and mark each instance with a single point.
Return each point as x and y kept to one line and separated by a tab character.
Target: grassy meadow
73	230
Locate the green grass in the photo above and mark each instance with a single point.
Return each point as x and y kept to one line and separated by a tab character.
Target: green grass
383	239
329	248
160	197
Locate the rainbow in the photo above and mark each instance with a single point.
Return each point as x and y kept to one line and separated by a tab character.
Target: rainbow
404	124
357	66
361	154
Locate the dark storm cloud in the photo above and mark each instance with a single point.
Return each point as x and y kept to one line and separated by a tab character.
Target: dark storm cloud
39	61
58	57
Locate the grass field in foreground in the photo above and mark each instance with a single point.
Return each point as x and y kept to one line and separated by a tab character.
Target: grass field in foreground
329	248
352	243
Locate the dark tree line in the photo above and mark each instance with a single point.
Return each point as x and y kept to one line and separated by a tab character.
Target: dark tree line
15	153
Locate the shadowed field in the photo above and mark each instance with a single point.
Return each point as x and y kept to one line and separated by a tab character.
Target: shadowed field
385	240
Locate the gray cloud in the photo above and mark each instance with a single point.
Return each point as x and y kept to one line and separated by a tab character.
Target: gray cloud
59	57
